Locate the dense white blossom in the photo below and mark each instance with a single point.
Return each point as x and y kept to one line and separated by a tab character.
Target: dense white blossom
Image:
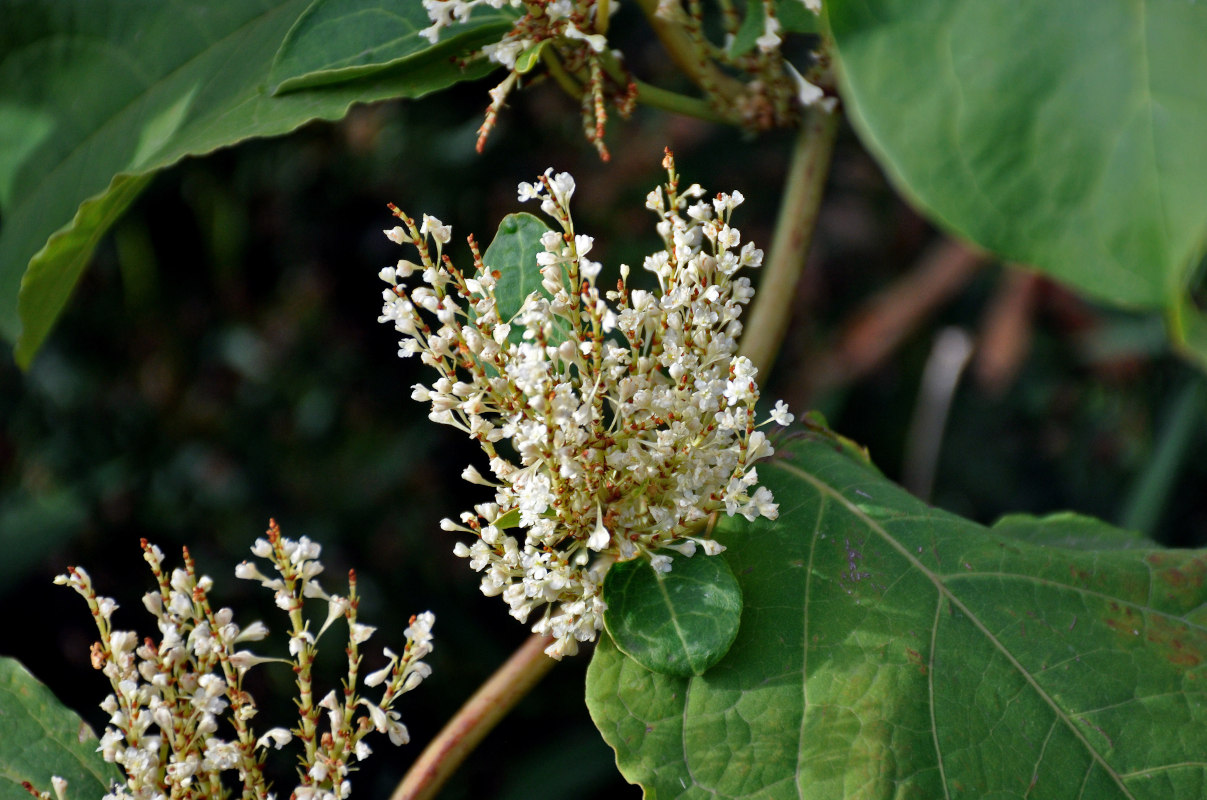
629	416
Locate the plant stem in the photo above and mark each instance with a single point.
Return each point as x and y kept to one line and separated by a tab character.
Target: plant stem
602	15
793	232
476	718
1183	417
696	65
676	103
554	67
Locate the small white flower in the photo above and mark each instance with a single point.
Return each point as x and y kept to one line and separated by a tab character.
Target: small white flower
376	678
361	633
780	415
600	538
436	229
770	39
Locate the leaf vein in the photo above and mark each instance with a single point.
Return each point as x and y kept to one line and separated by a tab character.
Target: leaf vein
826	489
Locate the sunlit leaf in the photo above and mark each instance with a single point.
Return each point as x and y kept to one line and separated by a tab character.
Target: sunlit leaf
338	41
1065	135
513	254
888	649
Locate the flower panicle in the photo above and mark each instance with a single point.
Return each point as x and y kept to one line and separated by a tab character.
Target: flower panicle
179	716
628	414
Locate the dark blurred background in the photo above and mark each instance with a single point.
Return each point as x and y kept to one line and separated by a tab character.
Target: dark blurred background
221	364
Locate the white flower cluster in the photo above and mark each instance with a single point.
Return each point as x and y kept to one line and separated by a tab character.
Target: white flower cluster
629	417
170	697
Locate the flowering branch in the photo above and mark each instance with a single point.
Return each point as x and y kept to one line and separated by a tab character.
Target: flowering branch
170	697
756	88
630	415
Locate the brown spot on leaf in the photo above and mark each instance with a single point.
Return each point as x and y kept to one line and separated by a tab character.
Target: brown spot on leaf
1182	575
1079	575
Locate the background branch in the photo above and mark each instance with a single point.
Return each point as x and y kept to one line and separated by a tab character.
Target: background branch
476	718
768	321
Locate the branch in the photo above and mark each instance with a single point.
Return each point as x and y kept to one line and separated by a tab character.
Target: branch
724	89
793	232
476	718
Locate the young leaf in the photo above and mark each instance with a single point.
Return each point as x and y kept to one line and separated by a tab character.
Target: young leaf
100	96
40	737
337	41
677	623
1068	136
891	649
513	253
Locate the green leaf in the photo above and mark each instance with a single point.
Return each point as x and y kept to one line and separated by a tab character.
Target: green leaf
97	97
1067	135
1069	530
337	41
678	623
528	59
513	253
40	737
888	649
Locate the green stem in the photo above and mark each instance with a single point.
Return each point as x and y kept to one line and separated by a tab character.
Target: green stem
664	99
510	683
602	14
772	309
696	65
1181	422
676	103
564	79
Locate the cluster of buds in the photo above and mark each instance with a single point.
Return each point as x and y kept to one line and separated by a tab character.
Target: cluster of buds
569	34
171	697
628	415
570	37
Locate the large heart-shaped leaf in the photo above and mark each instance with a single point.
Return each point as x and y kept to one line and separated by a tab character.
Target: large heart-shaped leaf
96	97
1067	135
888	649
40	737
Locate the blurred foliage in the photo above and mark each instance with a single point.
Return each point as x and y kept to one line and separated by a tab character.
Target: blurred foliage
221	364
